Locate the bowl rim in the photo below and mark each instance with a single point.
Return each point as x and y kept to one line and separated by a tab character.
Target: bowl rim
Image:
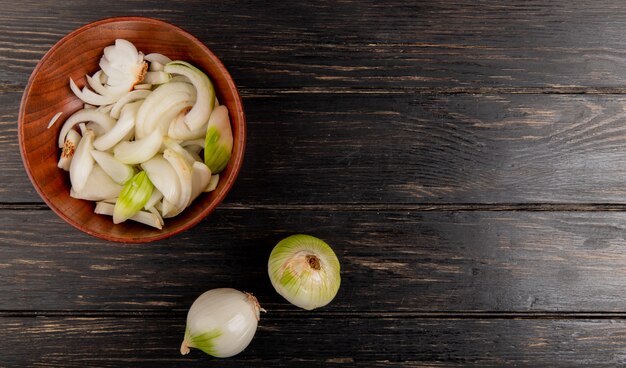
236	163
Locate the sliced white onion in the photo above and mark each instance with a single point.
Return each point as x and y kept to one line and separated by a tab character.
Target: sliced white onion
180	78
123	65
155	198
96	85
213	183
183	172
175	146
194	145
82	162
121	130
97	129
179	130
54	119
129	115
142	87
99	187
90	97
219	140
201	110
161	118
169	209
128	49
117	170
155	66
157	77
133	197
140	150
158	58
200	179
85	115
153	104
164	177
146	218
156	213
69	147
83	128
105	108
131	96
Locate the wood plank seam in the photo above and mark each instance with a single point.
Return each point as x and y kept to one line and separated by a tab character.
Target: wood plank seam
391	207
284	313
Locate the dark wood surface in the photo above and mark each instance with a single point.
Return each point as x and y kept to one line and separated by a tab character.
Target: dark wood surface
465	159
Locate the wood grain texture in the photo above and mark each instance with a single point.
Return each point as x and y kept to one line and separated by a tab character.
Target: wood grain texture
411	149
392	261
465	160
285	342
362	44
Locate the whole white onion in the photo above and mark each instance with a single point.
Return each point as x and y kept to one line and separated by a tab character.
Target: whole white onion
305	271
221	322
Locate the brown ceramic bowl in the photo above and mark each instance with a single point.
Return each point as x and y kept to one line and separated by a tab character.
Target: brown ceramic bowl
48	92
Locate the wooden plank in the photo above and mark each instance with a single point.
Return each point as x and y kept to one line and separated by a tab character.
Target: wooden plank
318	342
363	44
392	261
408	149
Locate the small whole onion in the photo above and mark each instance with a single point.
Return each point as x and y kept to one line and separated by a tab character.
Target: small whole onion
305	271
221	322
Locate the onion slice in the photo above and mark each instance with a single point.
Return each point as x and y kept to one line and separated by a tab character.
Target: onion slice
85	115
96	84
123	65
117	170
200	179
146	218
179	130
138	151
201	110
99	187
158	58
183	171
122	129
218	144
174	146
143	87
155	198
164	177
126	99
133	197
92	98
54	119
155	104
157	77
82	162
69	147
213	183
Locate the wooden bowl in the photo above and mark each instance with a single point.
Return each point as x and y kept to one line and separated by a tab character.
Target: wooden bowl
48	92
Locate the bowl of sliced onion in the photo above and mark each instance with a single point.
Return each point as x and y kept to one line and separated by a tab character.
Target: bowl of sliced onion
131	129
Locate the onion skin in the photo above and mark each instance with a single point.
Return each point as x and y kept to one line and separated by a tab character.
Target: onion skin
305	271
